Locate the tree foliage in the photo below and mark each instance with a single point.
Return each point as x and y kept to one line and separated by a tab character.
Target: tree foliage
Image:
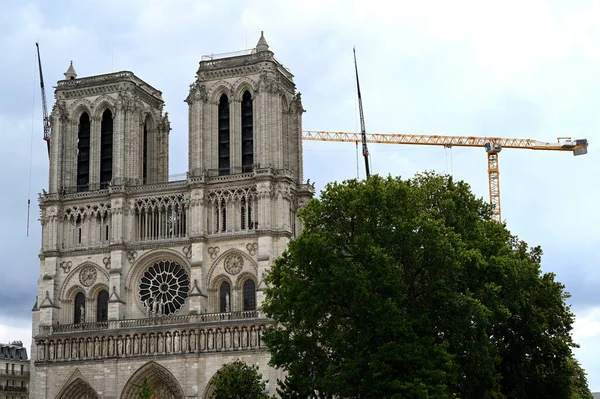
145	390
237	380
406	288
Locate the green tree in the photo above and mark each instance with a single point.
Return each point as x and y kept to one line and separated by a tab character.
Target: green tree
406	288
237	380
145	389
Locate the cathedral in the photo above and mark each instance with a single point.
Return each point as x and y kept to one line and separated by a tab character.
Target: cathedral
143	276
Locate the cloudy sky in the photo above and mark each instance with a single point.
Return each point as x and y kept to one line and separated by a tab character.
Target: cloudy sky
509	69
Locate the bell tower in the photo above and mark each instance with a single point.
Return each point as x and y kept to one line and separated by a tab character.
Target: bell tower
107	130
245	115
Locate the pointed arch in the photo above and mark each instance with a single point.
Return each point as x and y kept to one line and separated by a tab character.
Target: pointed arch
71	280
77	387
242	85
79	107
103	103
163	382
249	264
218	89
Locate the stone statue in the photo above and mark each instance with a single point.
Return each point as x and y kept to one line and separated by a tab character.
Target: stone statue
82	314
147	307
97	347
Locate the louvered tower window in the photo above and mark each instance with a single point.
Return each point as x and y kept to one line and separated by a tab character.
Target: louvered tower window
145	155
224	135
106	148
83	153
247	133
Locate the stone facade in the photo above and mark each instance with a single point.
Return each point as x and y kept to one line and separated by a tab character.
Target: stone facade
14	371
146	277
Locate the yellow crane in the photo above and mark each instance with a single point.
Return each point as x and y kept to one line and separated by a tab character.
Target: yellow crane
492	145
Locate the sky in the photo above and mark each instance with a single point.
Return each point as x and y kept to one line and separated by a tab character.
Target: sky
466	67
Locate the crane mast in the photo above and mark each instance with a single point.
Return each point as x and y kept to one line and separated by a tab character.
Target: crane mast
46	120
362	121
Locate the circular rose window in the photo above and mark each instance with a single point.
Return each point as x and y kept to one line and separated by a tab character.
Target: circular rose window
164	288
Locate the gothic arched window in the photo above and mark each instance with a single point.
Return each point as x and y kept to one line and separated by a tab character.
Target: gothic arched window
225	297
83	153
79	311
247	133
106	148
145	155
249	295
224	135
223	215
102	306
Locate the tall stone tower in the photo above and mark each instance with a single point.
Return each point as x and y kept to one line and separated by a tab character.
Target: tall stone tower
146	277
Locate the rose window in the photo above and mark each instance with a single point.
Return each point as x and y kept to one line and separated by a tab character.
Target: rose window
164	288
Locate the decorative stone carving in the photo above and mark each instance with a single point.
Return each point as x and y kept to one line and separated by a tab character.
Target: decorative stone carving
106	262
234	264
87	276
66	266
187	251
252	247
213	252
131	256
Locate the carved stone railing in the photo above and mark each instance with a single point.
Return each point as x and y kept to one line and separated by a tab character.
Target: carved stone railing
147	322
241	336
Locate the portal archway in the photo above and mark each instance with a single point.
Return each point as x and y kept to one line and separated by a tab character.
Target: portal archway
164	384
78	389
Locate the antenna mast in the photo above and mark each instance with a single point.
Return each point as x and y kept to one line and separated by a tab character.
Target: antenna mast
362	121
46	120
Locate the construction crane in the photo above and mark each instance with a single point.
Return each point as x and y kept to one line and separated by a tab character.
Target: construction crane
492	145
46	120
363	130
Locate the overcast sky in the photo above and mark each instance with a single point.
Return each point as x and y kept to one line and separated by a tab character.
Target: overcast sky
511	69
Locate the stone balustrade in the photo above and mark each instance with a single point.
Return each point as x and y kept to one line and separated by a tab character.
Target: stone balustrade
240	336
129	324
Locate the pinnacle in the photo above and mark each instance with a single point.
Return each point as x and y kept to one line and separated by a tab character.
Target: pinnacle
262	44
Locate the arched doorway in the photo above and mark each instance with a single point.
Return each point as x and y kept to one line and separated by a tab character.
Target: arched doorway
164	384
78	389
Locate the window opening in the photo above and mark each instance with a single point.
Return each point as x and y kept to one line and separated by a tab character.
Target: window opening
249	295
106	148
247	133
225	297
102	306
83	153
79	314
223	135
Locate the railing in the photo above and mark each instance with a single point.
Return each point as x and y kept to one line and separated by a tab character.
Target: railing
209	57
14	372
148	322
10	388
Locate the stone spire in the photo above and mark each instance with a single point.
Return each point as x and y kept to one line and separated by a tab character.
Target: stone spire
262	44
71	74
